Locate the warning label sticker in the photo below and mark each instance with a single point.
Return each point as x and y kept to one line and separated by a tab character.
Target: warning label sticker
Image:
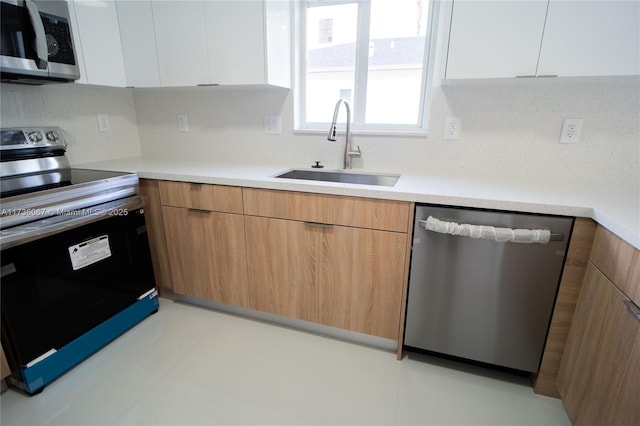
89	252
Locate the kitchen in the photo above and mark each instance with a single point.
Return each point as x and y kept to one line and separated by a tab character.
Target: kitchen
507	157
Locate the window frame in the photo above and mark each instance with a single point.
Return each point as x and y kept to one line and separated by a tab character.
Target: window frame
358	125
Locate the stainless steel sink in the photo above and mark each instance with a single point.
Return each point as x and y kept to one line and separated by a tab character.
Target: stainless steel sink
341	176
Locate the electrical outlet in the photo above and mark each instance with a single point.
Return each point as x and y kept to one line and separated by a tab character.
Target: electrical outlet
571	128
103	123
183	123
272	124
452	126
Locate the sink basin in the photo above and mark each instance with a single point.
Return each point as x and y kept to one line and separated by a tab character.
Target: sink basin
341	176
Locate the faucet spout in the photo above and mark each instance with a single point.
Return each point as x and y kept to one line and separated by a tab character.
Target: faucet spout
349	153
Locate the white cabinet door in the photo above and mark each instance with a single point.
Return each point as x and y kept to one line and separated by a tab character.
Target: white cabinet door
138	43
75	33
99	36
235	38
249	42
589	38
181	40
278	42
493	39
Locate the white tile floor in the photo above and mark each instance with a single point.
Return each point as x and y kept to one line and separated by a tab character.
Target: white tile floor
187	365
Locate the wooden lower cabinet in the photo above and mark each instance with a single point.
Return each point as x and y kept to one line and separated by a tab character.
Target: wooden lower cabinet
345	277
619	261
282	266
4	365
572	277
361	279
599	378
207	254
150	189
334	260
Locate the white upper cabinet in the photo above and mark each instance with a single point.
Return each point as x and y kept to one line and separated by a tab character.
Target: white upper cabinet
138	43
587	38
165	43
75	33
235	38
493	39
277	42
246	44
98	37
181	41
498	39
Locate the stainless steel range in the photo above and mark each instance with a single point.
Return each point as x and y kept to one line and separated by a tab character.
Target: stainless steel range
76	269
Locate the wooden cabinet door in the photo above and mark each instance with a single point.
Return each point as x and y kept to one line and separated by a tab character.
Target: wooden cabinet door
207	254
282	264
601	357
360	281
627	411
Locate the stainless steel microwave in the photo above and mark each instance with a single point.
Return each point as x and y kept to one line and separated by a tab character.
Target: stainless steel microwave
37	43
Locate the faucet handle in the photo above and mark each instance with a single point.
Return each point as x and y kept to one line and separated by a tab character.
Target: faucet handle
355	154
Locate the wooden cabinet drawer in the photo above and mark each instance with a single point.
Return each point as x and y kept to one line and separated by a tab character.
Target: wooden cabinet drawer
619	261
332	209
201	196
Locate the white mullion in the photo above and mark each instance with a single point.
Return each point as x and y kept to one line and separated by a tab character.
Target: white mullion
301	10
428	61
319	3
362	63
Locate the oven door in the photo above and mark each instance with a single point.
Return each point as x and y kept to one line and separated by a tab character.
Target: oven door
59	287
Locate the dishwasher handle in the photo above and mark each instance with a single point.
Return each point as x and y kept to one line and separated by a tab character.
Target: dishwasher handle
525	236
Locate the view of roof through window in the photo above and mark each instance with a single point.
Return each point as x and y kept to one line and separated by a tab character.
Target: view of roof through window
387	88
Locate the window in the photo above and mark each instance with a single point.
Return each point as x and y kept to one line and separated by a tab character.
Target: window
373	54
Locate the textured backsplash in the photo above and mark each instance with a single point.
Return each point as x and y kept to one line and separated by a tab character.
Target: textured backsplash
510	128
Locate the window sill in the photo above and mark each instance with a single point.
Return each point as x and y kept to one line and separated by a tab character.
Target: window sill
374	133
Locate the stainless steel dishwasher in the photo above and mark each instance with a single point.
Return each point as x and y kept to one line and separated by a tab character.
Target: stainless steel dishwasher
483	284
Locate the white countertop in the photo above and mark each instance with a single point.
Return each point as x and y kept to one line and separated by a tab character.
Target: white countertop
613	206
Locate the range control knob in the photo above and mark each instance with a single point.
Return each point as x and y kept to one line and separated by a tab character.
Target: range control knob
52	136
35	137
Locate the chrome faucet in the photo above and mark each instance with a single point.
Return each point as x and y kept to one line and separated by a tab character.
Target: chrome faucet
349	153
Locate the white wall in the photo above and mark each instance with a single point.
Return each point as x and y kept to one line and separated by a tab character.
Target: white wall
74	109
510	129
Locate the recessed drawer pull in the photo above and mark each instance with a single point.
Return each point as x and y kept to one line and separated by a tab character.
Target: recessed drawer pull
633	308
199	211
321	225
